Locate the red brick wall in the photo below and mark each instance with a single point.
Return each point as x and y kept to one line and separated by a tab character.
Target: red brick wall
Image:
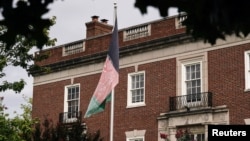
159	29
160	84
97	28
48	100
227	81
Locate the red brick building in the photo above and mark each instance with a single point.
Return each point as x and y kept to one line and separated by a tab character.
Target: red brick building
167	81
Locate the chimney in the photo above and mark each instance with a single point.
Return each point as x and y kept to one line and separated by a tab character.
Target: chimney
105	21
95	27
95	18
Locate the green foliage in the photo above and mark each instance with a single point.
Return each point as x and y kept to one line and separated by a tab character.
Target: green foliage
19	56
207	19
20	128
22	29
23	128
15	86
64	132
7	130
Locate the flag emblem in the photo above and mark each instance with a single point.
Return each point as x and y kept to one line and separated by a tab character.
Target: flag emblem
109	77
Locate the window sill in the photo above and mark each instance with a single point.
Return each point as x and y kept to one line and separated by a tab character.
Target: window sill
247	90
136	105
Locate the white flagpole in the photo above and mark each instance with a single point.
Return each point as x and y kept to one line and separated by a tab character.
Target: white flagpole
112	116
112	101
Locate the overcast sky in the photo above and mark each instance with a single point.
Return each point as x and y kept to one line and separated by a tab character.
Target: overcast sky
71	16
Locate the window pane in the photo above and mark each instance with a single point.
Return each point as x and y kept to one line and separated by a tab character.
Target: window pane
189	84
193	81
73	101
189	91
77	89
192	75
133	81
76	96
193	72
69	109
198	89
249	60
198	73
137	88
192	138
198	83
194	84
137	84
198	67
198	96
133	99
193	90
142	77
200	137
141	84
137	78
69	96
188	73
69	91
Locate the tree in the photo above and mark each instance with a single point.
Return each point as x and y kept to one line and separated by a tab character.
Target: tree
18	56
25	128
24	18
19	128
21	30
207	19
62	132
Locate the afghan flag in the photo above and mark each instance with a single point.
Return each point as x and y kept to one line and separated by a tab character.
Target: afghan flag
109	77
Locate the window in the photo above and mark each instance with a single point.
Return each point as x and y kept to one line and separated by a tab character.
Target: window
136	89
72	101
247	70
193	81
135	135
198	137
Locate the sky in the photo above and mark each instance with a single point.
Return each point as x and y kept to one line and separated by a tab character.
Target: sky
71	16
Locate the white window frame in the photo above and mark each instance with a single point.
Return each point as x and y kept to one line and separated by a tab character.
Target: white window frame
247	70
135	134
136	139
184	80
66	100
189	59
130	104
